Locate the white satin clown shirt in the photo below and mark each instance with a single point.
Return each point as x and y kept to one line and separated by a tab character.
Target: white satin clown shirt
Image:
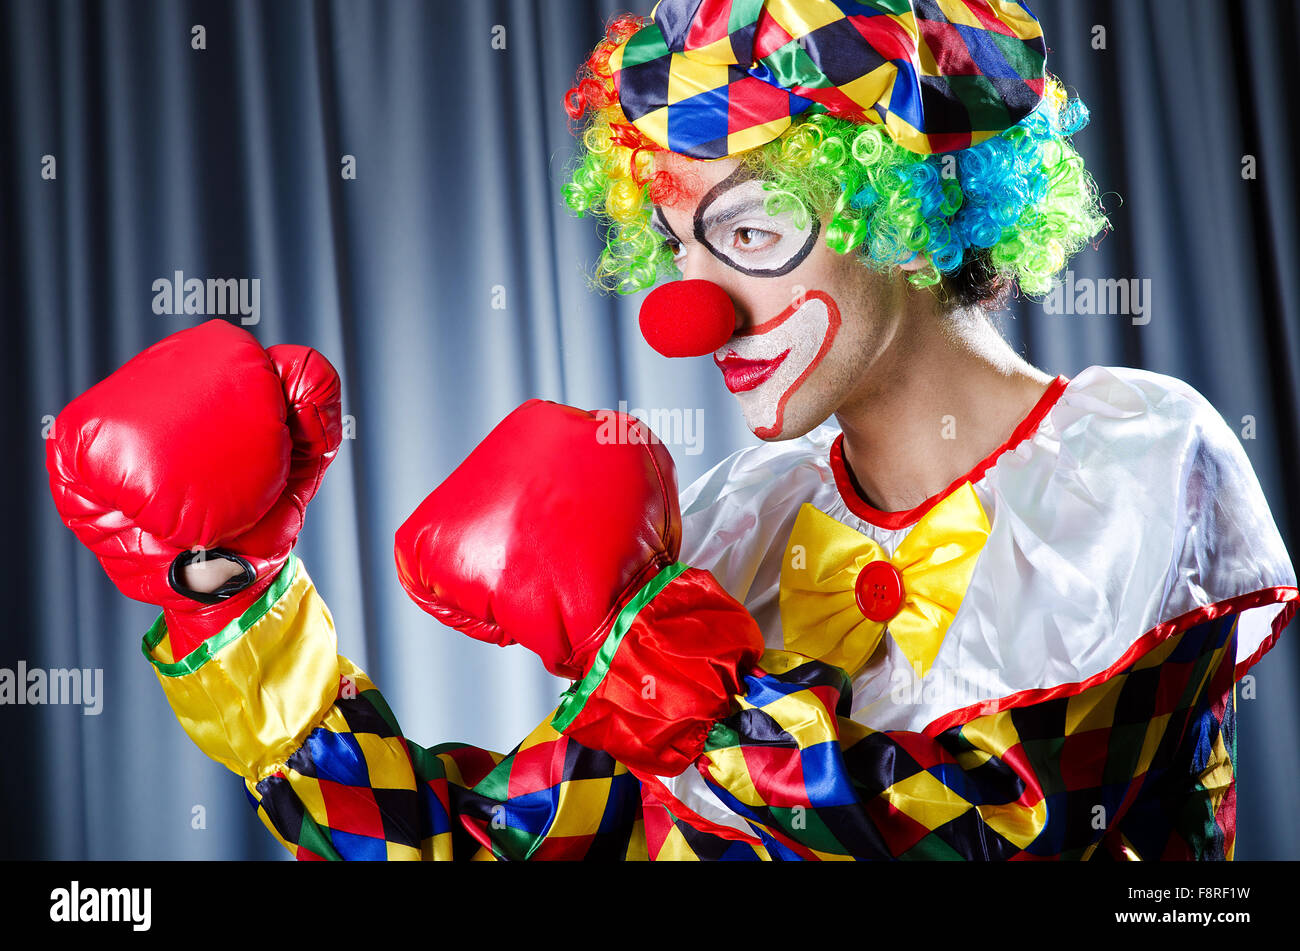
1121	507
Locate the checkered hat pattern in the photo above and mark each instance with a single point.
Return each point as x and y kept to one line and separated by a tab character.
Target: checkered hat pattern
711	78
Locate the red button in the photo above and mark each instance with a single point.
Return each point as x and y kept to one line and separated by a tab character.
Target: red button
879	590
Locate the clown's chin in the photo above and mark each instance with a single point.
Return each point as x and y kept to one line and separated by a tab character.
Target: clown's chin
799	339
778	418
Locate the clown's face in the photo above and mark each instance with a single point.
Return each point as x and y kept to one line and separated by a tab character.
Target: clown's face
809	322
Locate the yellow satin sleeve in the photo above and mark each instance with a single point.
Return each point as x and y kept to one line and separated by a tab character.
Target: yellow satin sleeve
250	694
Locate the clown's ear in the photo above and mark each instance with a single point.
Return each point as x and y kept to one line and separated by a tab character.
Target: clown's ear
919	262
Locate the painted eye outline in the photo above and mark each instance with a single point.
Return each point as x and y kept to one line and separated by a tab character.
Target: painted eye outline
738	178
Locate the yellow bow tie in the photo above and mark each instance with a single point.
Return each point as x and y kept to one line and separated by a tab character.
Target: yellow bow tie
839	590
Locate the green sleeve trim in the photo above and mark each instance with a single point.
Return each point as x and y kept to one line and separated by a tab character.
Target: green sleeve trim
575	698
236	628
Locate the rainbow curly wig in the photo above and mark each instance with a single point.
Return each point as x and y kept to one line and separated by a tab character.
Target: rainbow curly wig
1011	210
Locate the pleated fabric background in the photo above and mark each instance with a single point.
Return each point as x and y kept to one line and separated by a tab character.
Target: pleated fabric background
446	282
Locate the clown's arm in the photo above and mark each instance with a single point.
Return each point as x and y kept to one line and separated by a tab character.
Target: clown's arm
187	472
325	763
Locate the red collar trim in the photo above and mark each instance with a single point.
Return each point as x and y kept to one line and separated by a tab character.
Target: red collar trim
1283	594
895	520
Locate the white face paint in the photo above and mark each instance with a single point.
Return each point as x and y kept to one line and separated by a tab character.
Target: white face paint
765	234
763	367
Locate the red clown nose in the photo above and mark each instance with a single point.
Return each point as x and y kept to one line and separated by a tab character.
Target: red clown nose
687	318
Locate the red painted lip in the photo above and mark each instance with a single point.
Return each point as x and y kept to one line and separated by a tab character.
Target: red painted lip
740	376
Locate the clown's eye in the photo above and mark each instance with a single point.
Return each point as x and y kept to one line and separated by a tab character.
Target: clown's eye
674	247
754	239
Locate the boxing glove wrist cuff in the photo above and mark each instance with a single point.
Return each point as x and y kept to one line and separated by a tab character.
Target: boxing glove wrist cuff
575	698
246	578
262	684
201	654
667	671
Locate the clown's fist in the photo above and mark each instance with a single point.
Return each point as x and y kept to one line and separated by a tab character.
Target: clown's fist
556	518
205	446
561	532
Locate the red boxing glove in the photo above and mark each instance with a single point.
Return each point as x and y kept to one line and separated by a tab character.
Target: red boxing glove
548	526
204	446
561	532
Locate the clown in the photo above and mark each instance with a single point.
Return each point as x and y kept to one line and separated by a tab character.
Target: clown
960	539
861	639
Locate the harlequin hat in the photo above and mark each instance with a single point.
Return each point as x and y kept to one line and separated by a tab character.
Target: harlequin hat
711	78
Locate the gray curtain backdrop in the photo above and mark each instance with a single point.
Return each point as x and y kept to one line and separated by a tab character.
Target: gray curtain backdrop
447	284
